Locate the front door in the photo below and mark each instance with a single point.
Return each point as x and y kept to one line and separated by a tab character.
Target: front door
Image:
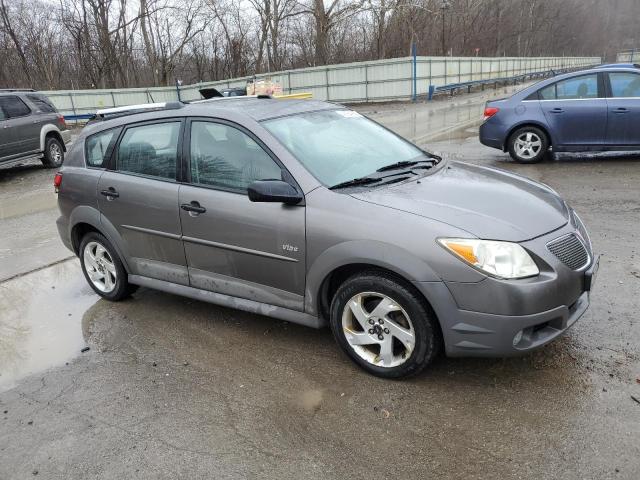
139	198
235	246
576	111
623	126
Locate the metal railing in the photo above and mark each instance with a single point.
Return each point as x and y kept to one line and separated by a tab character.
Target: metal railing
372	81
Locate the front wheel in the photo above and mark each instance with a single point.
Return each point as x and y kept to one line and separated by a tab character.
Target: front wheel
53	153
103	269
383	325
528	145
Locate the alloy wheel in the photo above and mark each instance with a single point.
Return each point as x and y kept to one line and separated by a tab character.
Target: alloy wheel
100	267
378	329
527	145
55	153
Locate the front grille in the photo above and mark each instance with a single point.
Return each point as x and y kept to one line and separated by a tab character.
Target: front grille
570	251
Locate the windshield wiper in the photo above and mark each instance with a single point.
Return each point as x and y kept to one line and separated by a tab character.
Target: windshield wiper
356	181
405	163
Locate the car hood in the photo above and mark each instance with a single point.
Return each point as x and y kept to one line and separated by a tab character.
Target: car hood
489	203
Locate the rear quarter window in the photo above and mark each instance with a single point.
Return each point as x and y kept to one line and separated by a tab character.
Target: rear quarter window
42	103
99	147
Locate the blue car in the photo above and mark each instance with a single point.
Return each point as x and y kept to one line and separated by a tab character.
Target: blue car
589	110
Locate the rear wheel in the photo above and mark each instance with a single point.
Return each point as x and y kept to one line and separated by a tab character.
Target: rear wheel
528	145
103	269
53	152
383	325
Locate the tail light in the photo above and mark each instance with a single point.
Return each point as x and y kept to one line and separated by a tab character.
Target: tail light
63	124
57	181
490	112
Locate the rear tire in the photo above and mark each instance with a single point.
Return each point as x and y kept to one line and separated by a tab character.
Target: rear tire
103	268
528	145
384	325
53	152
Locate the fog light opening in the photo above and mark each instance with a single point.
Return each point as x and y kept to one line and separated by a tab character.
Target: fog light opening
517	338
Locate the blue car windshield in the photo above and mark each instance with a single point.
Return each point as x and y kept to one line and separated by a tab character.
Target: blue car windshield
340	145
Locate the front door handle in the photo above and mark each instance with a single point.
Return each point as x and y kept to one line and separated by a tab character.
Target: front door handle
194	208
557	110
621	110
110	193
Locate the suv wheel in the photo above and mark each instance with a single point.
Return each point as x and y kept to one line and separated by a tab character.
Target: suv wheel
383	325
103	269
528	145
53	153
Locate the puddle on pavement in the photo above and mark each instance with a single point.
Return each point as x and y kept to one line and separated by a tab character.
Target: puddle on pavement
41	320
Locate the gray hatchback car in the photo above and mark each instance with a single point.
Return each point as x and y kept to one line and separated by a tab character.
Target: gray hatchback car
309	212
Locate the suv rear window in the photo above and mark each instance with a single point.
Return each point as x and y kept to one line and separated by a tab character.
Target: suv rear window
42	103
14	107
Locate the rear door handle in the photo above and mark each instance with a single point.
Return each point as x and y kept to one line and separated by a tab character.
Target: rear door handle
621	110
194	208
557	110
110	193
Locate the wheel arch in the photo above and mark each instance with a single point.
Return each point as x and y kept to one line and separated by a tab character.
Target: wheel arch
50	130
341	261
528	123
85	219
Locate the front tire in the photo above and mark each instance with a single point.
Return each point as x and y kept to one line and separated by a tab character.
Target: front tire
528	145
383	325
103	268
53	153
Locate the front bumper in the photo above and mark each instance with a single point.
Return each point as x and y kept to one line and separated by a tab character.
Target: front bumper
495	318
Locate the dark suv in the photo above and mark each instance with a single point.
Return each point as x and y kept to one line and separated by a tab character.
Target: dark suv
30	125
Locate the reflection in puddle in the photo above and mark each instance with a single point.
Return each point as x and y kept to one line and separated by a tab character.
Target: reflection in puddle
40	320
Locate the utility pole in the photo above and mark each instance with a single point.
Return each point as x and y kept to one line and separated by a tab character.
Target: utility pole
444	6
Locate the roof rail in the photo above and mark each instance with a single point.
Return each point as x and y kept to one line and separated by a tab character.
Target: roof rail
108	113
17	90
221	99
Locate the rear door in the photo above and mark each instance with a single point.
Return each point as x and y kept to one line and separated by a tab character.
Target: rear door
576	111
138	197
21	128
623	126
235	246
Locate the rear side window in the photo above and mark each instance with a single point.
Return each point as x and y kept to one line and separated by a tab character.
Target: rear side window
14	107
98	147
150	150
585	86
43	104
625	85
548	93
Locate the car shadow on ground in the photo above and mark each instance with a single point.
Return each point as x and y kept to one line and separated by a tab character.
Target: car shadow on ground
155	324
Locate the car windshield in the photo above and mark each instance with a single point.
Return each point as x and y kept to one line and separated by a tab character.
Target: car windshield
340	145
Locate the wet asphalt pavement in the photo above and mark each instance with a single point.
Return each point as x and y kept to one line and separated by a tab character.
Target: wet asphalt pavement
175	388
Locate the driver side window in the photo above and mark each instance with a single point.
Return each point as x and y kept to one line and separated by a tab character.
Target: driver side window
224	156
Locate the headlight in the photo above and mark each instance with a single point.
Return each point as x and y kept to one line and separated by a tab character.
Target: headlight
498	259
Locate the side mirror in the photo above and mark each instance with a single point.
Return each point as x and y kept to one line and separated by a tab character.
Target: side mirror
273	191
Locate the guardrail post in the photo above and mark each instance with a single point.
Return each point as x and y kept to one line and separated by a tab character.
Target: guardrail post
73	107
366	82
326	79
415	72
432	90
